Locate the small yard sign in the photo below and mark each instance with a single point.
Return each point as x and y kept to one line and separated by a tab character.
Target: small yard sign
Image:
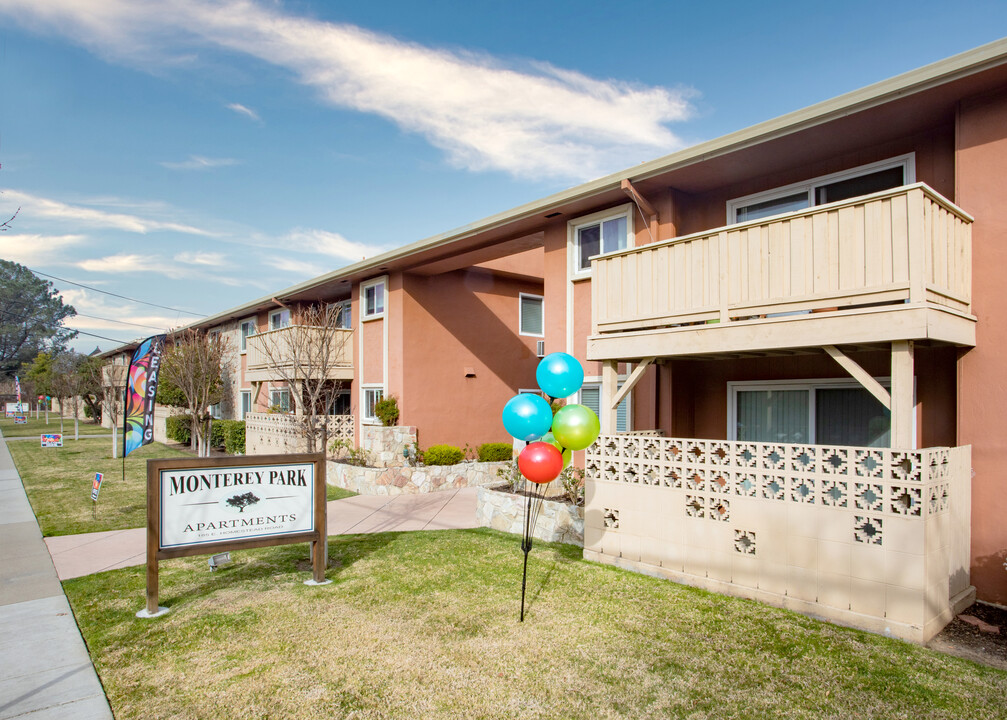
52	440
213	505
96	486
20	419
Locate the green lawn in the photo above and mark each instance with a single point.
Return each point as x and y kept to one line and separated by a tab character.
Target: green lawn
425	625
58	483
37	427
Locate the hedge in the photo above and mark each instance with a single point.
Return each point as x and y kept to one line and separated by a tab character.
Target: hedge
442	455
234	444
178	428
495	452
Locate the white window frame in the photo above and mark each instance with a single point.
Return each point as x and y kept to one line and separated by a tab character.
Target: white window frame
383	282
343	308
596	381
907	162
274	391
274	313
364	389
573	240
251	407
810	385
520	314
242	338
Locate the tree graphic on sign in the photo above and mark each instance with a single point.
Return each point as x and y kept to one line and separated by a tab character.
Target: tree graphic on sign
242	501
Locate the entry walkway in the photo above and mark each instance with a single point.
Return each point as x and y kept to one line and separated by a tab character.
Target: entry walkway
45	671
76	555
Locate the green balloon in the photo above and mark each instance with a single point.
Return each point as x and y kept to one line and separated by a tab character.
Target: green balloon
567	455
575	427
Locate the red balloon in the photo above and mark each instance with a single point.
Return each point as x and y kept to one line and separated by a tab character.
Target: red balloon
540	462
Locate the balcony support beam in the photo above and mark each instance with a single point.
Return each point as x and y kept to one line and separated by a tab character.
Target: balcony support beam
631	382
645	207
861	376
902	393
609	386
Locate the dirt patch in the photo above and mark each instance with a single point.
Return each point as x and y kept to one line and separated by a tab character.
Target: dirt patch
970	636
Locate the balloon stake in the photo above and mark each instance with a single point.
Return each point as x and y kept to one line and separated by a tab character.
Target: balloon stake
533	506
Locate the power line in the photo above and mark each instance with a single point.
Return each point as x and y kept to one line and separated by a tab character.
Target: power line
121	322
101	337
106	292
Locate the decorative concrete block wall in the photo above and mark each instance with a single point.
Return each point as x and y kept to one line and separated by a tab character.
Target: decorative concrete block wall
386	444
276	433
411	480
504	511
876	538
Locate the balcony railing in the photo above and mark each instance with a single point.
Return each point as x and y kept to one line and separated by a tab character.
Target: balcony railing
114	375
300	352
908	246
873	537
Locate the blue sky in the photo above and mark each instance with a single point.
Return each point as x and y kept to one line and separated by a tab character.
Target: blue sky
198	155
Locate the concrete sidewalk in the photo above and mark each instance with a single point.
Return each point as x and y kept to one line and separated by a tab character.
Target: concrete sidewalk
45	670
76	555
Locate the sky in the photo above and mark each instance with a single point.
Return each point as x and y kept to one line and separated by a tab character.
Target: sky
198	155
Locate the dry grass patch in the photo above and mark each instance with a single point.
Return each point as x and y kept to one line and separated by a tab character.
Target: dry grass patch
425	625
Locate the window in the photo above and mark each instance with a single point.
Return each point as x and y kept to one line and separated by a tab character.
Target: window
600	234
531	321
280	399
372	297
371	397
825	412
215	412
863	180
279	319
246	403
340	404
247	330
343	316
590	397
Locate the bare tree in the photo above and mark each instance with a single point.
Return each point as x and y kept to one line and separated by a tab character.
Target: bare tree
109	382
312	357
194	362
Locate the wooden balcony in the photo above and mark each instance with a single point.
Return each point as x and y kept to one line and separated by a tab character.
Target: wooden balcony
299	352
114	375
895	265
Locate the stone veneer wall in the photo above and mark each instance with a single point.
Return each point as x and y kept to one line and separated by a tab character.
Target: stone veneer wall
410	480
504	511
385	444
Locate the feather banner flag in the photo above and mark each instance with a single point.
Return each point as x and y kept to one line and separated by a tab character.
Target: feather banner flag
141	389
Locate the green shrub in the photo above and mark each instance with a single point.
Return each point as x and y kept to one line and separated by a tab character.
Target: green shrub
442	455
343	451
387	410
178	428
219	431
234	438
495	452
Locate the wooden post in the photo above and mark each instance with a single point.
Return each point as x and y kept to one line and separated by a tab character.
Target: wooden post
902	394
320	546
153	545
609	387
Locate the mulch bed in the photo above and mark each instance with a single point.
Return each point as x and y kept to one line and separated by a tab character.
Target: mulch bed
971	636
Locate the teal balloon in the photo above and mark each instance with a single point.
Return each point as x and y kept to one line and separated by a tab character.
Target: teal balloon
559	375
576	427
527	417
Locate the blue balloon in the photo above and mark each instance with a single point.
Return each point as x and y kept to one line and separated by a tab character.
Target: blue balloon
559	375
527	417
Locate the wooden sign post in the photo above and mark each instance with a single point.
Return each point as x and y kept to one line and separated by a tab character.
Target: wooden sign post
211	505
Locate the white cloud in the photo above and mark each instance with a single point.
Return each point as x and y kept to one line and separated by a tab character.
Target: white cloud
210	259
540	120
323	242
39	208
198	162
246	111
35	249
296	267
132	263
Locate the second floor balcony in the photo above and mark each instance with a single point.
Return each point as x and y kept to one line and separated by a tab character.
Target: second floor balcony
300	352
113	375
894	265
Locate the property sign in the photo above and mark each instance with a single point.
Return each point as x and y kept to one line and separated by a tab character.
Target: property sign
15	408
20	419
212	505
52	440
209	505
96	486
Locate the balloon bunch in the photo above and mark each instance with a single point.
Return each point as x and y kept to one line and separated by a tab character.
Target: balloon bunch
551	438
